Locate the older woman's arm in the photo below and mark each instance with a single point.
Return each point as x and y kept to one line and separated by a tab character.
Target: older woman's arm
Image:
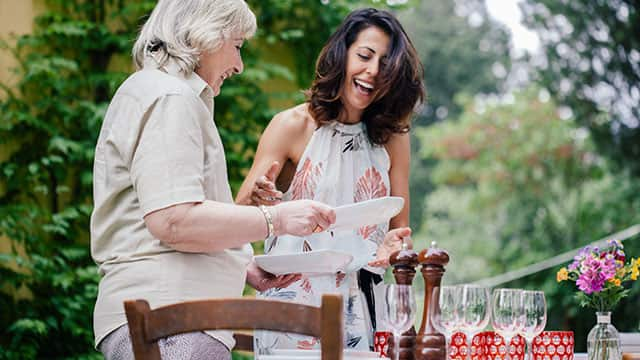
213	226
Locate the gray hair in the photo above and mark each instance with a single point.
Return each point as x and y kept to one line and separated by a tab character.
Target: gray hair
183	29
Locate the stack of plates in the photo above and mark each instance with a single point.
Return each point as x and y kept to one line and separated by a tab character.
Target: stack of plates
310	262
348	217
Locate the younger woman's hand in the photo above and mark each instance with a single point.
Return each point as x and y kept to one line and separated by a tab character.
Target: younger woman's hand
262	280
392	242
264	190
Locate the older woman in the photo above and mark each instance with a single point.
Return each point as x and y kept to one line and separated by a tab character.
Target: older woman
348	143
164	227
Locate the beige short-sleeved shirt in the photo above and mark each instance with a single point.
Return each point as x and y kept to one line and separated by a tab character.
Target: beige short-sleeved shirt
158	147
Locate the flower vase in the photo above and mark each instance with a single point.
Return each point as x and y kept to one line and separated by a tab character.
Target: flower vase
603	341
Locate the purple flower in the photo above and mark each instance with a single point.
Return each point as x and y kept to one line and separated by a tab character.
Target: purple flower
580	257
594	272
615	244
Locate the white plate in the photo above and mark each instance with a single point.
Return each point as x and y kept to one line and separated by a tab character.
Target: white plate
369	212
315	262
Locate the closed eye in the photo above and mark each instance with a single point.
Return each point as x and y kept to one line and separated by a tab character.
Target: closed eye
364	57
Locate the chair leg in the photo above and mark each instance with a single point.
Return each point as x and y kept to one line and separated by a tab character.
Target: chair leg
331	316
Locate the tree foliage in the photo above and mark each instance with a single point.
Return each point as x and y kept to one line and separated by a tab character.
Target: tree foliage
462	50
590	63
516	184
49	124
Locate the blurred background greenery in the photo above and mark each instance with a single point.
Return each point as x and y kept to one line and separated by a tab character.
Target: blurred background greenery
516	157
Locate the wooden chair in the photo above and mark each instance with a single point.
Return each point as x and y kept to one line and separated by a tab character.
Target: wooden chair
148	326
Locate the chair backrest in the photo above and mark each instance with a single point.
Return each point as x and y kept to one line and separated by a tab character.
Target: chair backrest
148	326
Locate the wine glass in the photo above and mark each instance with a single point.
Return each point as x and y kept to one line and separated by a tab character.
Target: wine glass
507	314
444	308
474	312
533	318
400	311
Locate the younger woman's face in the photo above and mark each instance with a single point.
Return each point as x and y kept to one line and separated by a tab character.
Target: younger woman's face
365	58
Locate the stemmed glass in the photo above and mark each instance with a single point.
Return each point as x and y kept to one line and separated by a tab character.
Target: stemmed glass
400	311
474	312
533	318
444	308
507	314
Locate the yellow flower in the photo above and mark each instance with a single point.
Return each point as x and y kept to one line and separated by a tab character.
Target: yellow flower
562	275
615	281
634	266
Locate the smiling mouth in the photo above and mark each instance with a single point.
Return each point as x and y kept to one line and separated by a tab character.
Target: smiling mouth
363	87
224	77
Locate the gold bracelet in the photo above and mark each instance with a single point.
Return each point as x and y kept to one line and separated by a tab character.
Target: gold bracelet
269	219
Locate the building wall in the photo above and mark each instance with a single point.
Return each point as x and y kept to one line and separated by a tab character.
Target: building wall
16	17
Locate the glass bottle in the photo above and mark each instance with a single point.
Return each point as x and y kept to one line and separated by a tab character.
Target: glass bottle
603	341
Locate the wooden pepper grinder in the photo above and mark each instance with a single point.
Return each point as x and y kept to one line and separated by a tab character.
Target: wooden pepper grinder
430	344
404	262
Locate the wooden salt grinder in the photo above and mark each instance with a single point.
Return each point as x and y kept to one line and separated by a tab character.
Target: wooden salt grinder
404	264
430	344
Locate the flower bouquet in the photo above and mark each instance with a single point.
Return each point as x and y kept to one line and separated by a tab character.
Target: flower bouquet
600	275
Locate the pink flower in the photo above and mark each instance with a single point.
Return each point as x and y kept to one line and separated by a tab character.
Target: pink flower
594	272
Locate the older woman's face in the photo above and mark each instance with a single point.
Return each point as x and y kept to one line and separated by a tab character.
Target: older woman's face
364	60
216	66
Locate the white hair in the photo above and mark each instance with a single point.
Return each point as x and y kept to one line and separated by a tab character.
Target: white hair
183	29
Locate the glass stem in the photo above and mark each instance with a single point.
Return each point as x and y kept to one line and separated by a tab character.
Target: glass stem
507	345
446	347
469	342
529	349
396	350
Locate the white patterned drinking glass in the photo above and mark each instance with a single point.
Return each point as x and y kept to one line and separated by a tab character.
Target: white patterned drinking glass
399	311
507	311
444	308
475	312
534	317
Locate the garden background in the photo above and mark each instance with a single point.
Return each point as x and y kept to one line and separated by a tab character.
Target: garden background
516	158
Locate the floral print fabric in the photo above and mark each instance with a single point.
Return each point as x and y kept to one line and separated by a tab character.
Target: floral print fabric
339	166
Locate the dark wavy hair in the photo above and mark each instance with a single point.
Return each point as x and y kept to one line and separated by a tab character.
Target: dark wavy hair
399	81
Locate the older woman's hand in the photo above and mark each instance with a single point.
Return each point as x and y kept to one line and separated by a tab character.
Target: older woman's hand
392	242
264	191
302	217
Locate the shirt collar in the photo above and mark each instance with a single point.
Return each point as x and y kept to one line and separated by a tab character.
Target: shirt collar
195	82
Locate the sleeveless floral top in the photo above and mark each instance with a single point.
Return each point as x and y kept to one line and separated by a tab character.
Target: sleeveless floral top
339	166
